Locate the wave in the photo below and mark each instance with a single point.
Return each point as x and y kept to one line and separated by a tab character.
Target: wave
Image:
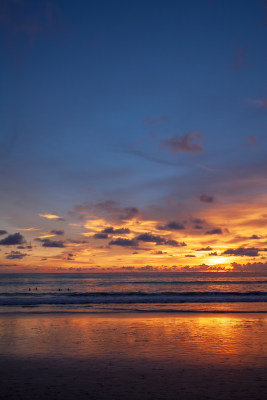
27	299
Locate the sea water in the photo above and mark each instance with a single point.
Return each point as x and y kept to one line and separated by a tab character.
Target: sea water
133	292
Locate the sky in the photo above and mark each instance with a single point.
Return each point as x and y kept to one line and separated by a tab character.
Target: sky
133	135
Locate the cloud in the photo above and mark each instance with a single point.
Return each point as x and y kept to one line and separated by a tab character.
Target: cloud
213	254
2	232
50	216
216	231
198	223
171	226
101	235
205	249
174	243
129	213
27	20
250	267
239	60
254	237
14	239
152	121
147	237
148	157
108	209
25	247
261	103
123	242
15	255
241	251
206	198
252	140
119	231
184	143
70	257
32	229
51	243
55	232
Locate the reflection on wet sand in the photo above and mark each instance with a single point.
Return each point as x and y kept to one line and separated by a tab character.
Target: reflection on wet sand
190	339
114	357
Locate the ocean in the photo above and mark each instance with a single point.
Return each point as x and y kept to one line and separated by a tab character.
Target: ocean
133	292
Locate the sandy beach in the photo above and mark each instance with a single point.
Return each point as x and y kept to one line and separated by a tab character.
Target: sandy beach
134	356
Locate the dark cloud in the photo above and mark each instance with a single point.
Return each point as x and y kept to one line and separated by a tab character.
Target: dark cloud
101	235
123	242
14	239
119	231
213	254
205	249
174	243
15	255
206	198
51	243
129	213
250	267
147	237
198	223
25	247
254	237
2	232
70	257
56	232
190	255
173	225
216	231
184	143
74	241
241	251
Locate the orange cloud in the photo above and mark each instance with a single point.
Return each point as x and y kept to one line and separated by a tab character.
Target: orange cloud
50	216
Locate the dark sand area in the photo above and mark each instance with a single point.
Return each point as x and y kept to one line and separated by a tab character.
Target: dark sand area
70	356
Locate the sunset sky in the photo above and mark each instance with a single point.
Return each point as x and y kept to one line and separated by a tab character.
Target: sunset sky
133	135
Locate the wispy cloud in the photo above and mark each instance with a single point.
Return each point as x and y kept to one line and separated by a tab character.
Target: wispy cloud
27	229
259	102
188	143
15	255
206	198
239	61
50	216
252	140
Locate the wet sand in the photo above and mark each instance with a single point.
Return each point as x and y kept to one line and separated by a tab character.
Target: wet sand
71	356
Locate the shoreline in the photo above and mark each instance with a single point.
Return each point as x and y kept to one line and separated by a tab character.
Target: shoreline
125	313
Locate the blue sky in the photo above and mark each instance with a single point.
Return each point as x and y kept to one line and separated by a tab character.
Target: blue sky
149	104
